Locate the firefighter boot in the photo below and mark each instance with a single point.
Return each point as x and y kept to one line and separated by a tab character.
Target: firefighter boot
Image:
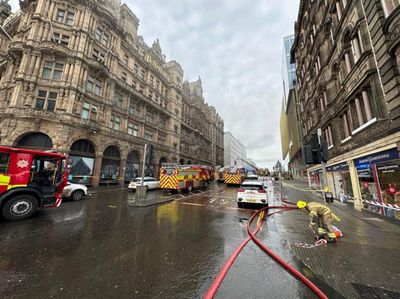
331	237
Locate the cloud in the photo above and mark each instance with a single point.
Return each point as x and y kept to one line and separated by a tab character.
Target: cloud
235	46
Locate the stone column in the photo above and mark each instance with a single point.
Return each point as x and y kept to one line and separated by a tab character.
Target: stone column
359	112
348	62
121	175
356	47
355	184
346	126
367	105
96	170
339	10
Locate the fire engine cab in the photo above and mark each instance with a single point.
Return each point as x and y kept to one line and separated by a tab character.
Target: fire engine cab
30	179
185	177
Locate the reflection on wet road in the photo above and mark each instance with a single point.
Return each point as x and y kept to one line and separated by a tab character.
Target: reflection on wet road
104	247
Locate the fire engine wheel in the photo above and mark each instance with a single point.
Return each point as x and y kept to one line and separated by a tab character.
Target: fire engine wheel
19	207
190	188
77	195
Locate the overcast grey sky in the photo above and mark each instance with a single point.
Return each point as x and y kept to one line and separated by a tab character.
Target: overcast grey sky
235	46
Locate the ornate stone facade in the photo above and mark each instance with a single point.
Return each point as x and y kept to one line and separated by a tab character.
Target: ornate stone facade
76	77
339	87
348	86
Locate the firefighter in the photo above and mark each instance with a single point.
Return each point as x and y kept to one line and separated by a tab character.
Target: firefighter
320	216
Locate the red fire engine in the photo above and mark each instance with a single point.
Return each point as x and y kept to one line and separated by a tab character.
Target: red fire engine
30	179
185	177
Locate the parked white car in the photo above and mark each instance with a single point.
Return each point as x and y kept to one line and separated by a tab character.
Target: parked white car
252	192
148	182
74	191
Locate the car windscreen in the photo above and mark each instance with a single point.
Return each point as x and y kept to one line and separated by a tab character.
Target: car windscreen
251	187
137	180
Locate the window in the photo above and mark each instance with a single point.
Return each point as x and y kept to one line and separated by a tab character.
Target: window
66	17
141	89
134	109
133	84
124	76
89	111
133	129
60	38
158	85
150	117
4	162
162	138
102	36
118	100
115	122
162	122
98	55
126	59
148	134
150	94
46	100
93	85
135	68
52	70
151	80
85	110
389	6
143	74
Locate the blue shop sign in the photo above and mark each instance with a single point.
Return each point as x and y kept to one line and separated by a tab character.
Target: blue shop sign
338	167
365	162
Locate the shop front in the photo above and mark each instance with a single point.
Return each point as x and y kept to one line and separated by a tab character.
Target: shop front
379	181
314	178
389	186
339	181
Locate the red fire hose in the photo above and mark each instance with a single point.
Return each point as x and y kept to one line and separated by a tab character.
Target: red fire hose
252	235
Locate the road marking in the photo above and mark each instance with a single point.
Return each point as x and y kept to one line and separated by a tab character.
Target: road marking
212	200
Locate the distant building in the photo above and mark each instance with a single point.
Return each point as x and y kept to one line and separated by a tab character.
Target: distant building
291	138
278	167
288	69
234	150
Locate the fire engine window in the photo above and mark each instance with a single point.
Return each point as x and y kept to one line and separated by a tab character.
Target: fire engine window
4	162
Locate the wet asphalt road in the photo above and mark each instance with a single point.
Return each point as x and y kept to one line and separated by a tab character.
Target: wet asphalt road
107	247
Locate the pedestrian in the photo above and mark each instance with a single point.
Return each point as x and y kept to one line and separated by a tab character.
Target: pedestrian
320	216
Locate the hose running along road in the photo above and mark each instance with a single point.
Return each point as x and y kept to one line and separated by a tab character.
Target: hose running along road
252	236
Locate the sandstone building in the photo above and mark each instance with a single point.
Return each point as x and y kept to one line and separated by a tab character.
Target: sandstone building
347	55
77	77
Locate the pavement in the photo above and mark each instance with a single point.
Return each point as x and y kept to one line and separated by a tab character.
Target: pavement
364	263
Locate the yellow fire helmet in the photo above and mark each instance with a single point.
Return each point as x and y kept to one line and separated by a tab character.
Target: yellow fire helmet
301	204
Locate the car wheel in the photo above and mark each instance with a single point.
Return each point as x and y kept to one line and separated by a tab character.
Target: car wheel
19	207
77	195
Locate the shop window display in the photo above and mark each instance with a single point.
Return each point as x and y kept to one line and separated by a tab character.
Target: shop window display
389	183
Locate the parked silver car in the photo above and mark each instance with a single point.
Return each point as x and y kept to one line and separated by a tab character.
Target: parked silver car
148	183
74	191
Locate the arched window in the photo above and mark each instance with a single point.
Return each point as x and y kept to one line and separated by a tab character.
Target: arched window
35	141
81	160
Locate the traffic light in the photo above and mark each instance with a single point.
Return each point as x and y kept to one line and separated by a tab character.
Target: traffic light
314	153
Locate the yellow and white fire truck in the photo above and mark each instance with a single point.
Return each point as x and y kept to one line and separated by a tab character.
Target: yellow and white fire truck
185	177
234	175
